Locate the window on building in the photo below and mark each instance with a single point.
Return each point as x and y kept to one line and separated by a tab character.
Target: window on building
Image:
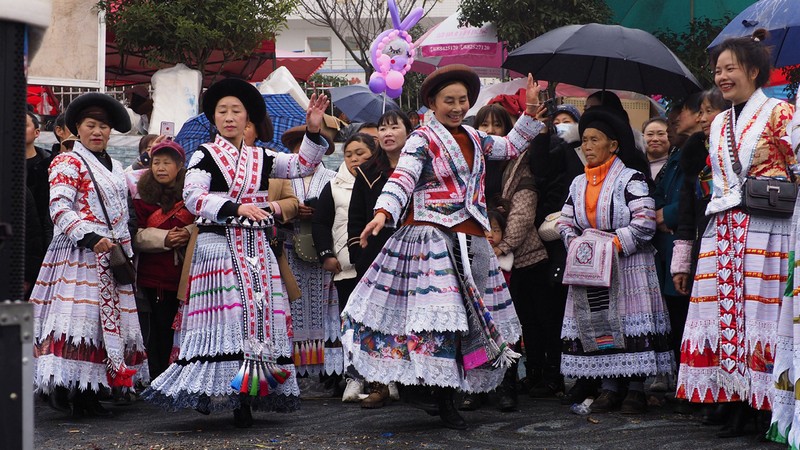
319	45
350	41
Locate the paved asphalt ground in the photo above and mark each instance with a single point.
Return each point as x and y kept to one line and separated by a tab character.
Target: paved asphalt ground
326	423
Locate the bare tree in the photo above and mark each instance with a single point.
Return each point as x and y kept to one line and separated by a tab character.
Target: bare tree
356	23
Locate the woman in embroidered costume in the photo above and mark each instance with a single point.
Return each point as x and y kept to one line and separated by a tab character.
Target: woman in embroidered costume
235	349
163	226
315	315
730	337
433	308
86	329
618	334
785	426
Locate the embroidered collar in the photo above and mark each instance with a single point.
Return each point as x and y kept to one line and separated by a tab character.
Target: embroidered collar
596	175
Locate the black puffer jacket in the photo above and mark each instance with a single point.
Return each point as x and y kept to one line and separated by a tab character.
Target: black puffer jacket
366	190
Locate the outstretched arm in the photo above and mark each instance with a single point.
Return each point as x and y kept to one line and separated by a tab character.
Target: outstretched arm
312	149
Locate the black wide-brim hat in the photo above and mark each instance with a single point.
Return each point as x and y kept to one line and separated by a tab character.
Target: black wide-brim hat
249	96
445	75
117	114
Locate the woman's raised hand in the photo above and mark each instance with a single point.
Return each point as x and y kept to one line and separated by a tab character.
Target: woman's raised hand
532	96
317	106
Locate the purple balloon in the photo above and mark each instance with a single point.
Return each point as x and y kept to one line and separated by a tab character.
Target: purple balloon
377	83
394	93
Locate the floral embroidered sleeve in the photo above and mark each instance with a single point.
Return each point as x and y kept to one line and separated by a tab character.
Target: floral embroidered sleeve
642	226
510	146
401	184
794	130
66	184
781	123
199	201
300	164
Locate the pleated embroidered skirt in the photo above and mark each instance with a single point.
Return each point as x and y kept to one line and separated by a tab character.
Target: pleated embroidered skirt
404	319
72	292
212	344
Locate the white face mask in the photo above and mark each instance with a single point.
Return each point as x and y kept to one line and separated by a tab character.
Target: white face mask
567	131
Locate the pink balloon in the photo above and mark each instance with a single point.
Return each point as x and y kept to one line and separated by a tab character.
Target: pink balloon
377	83
394	80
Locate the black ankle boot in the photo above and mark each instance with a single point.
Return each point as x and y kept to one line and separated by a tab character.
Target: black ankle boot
507	391
448	412
89	404
717	414
422	397
740	415
59	400
243	417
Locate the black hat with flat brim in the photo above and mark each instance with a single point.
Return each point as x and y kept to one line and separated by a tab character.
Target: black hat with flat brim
117	114
249	96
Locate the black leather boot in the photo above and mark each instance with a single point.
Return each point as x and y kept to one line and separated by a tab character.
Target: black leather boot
448	412
583	388
243	416
59	400
717	414
507	391
89	404
422	397
741	414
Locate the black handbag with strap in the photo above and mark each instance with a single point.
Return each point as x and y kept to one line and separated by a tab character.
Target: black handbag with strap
762	196
122	267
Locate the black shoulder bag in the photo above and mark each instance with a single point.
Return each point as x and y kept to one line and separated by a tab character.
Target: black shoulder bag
121	266
762	196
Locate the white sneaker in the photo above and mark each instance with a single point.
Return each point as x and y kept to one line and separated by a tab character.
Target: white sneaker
354	392
394	394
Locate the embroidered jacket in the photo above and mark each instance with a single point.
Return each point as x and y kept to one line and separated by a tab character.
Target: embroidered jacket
75	202
217	177
762	147
433	172
623	208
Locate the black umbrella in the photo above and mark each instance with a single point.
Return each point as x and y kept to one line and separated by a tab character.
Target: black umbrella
604	57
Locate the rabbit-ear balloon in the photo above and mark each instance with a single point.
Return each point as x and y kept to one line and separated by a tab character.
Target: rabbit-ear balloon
392	53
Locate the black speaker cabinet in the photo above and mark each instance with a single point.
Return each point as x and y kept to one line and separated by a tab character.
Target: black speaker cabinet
16	321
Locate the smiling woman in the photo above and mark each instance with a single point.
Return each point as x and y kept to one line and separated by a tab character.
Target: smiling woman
78	348
748	140
444	231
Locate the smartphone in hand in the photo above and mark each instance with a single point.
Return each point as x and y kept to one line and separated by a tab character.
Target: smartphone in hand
167	129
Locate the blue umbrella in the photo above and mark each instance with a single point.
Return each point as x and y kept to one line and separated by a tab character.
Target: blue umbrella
360	104
282	108
781	18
